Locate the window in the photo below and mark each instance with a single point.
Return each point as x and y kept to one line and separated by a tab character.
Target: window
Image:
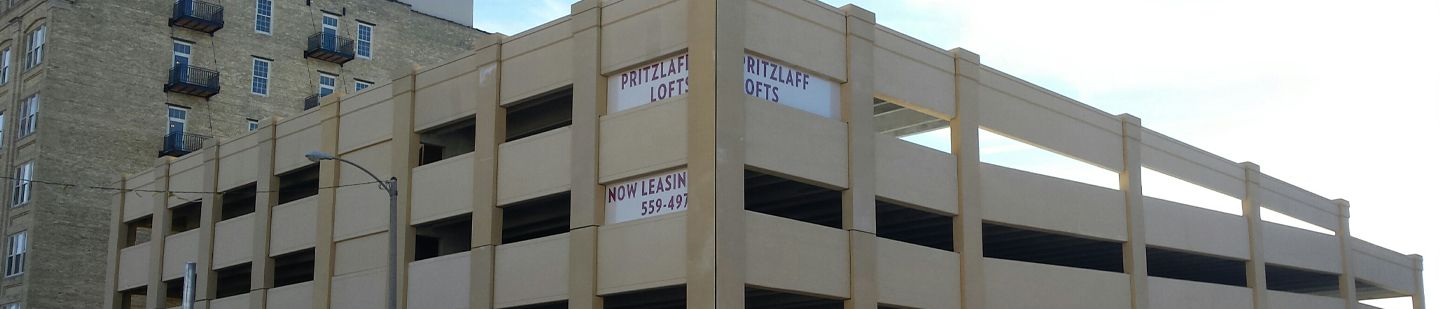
260	76
12	306
36	48
361	85
27	116
177	116
250	124
330	25
364	35
2	129
5	66
23	175
262	16
181	53
327	84
15	256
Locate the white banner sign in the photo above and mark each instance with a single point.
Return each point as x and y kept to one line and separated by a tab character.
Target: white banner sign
657	81
777	83
764	79
646	197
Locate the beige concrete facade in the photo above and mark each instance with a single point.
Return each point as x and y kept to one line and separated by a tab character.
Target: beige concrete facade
507	206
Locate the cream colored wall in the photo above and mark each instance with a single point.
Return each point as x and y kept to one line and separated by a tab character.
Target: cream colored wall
534	166
179	249
1011	284
790	255
1195	229
642	254
795	143
1180	294
436	185
231	237
375	129
643	139
662	23
532	271
915	276
1022	198
915	175
441	282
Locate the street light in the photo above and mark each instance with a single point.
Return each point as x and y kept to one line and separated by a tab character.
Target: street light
390	188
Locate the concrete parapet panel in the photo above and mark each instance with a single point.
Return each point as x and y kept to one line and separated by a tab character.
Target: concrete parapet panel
533	271
366	125
1022	198
1287	300
1295	247
441	282
179	249
791	255
643	139
134	267
641	254
231	237
796	143
294	296
361	290
534	166
442	189
292	226
1180	226
916	276
1021	285
775	28
914	174
1180	294
638	30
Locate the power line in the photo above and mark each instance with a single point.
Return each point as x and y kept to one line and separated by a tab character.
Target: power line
123	190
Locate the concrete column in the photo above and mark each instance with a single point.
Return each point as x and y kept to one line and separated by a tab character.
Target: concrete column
965	145
1131	185
485	220
118	239
857	97
159	228
325	210
266	197
1250	208
404	157
714	223
1417	300
1347	257
585	194
209	214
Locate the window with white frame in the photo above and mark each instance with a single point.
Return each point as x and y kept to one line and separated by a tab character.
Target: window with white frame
15	254
364	40
36	51
11	306
262	16
27	116
5	66
327	84
21	193
361	85
260	76
2	129
250	124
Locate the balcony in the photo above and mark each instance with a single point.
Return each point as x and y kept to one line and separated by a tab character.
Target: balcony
179	144
198	15
193	80
311	101
330	47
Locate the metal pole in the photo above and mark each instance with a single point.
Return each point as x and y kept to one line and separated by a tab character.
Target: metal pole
392	282
188	300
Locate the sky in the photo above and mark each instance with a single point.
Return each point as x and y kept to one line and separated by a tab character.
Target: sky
1341	98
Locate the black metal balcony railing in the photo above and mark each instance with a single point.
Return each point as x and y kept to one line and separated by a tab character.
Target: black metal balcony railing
193	80
198	15
330	47
179	144
312	101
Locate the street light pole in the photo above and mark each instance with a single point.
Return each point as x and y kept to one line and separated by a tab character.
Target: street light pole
391	283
